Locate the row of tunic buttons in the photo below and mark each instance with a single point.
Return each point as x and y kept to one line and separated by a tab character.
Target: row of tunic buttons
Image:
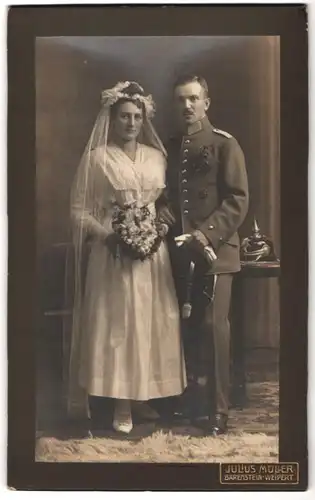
184	171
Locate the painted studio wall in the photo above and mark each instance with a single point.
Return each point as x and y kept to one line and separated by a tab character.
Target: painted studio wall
243	78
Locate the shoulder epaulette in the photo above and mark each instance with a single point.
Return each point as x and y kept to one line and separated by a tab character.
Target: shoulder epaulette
222	132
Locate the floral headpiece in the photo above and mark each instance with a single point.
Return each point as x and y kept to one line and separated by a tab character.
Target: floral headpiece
110	96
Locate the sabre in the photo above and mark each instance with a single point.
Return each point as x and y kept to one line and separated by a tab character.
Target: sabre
187	307
210	256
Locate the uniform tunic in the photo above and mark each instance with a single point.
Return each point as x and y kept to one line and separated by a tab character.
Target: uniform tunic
208	190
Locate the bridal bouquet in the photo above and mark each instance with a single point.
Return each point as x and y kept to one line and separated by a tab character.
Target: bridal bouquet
139	232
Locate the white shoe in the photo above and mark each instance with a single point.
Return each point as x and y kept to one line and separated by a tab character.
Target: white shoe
144	410
122	416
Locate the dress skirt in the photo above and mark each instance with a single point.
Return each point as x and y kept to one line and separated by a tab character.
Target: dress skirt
131	345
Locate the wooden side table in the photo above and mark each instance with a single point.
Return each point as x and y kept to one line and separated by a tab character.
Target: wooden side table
238	314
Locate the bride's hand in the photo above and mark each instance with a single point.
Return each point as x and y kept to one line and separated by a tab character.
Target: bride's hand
164	229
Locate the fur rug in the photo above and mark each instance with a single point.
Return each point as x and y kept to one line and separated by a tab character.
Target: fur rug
252	437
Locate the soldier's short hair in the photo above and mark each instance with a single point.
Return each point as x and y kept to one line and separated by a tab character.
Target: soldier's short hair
183	79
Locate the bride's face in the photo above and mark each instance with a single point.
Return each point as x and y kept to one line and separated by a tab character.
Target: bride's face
128	121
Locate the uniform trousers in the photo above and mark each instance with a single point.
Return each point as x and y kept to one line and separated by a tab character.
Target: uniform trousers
206	338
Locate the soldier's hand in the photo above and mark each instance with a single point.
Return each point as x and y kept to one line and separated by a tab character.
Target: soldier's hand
198	241
166	216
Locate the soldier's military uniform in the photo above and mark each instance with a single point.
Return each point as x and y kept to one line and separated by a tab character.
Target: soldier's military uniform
207	190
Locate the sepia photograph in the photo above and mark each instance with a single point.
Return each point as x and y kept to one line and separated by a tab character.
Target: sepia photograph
157	277
158	248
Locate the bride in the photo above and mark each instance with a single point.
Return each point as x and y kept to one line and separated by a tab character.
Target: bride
126	333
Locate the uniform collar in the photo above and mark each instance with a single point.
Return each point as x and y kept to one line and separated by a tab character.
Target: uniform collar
198	126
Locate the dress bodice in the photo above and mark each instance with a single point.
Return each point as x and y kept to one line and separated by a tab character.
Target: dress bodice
127	181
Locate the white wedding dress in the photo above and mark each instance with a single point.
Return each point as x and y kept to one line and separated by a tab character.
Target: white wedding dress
131	346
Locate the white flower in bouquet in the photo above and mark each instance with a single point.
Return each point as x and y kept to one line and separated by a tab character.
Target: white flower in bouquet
138	230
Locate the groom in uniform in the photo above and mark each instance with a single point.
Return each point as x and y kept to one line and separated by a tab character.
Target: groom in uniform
207	201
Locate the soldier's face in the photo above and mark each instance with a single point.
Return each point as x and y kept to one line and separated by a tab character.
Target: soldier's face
191	103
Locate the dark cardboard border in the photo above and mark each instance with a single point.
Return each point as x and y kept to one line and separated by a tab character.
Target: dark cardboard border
24	24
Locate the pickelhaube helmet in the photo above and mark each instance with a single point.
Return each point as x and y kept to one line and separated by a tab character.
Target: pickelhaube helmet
257	247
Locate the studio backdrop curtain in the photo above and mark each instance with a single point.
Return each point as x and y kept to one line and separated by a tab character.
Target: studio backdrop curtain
243	78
